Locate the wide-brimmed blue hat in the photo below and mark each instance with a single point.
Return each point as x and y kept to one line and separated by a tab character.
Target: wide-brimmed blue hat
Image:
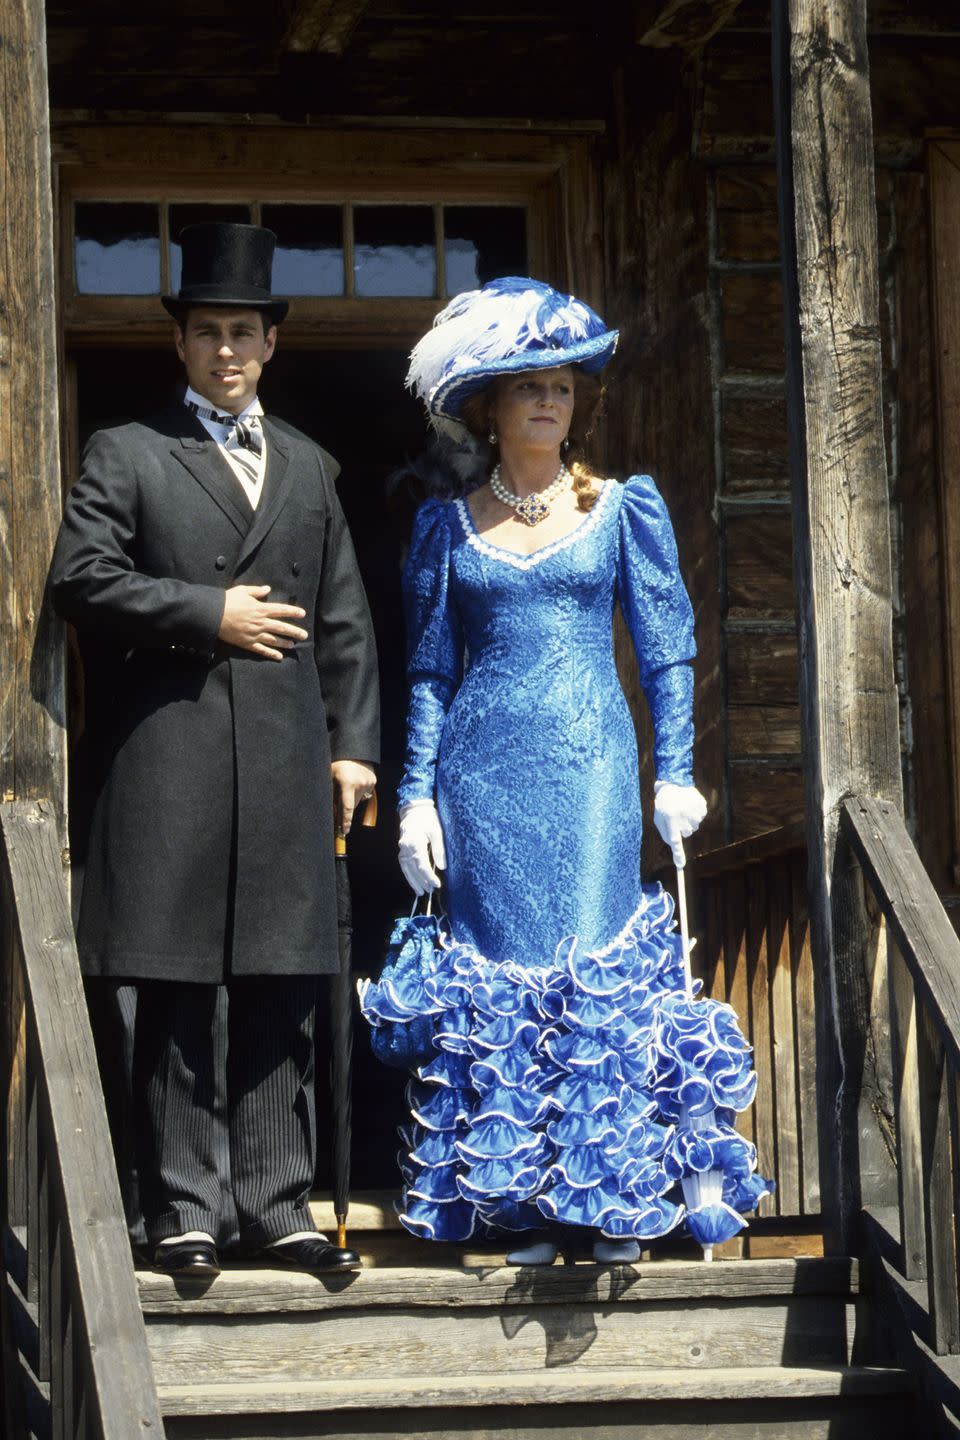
510	325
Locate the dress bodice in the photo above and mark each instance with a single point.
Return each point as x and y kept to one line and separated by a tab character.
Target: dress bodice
478	613
534	612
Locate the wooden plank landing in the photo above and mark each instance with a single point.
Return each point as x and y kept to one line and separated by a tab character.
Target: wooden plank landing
419	1325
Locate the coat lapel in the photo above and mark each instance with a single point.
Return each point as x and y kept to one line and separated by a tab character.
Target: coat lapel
200	454
277	484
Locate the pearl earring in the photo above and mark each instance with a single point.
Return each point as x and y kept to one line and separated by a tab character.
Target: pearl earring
492	437
566	444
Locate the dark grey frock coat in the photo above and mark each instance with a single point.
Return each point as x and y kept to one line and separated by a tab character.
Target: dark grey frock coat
211	843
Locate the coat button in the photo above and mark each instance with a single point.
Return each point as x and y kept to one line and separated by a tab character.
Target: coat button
221	562
295	567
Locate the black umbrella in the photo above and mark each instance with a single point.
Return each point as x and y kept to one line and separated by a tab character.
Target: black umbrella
341	1033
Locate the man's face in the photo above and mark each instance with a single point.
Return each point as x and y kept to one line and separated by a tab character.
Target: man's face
224	352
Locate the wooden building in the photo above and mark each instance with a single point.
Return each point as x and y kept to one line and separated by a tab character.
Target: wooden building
766	200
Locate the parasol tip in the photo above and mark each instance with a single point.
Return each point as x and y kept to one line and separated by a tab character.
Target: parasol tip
708	1252
342	1234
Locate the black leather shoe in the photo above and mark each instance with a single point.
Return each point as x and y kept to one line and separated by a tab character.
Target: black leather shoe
315	1254
187	1257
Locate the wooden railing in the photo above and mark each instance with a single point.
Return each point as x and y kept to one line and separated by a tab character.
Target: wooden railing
749	916
67	1264
924	999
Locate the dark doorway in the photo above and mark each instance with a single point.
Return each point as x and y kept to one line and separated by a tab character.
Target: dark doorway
353	403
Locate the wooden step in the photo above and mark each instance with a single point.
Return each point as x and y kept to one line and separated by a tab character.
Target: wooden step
251	1289
418	1391
599	1387
250	1326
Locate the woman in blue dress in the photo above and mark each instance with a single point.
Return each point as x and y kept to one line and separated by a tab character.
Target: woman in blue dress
570	1079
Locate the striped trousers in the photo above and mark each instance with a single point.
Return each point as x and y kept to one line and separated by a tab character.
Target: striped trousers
176	1092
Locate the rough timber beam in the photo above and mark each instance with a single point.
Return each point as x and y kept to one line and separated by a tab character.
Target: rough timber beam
684	23
322	27
32	735
32	740
842	563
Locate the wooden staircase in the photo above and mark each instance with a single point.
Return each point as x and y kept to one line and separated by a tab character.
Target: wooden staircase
441	1341
426	1340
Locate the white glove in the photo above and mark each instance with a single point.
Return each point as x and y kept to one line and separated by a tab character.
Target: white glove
421	841
677	812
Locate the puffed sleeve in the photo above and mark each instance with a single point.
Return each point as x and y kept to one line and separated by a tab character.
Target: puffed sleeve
434	647
660	619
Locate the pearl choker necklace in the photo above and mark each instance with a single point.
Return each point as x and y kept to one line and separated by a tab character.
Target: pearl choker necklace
531	508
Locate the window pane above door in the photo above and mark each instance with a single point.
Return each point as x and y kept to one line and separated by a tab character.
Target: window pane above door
329	250
482	242
181	216
116	248
394	250
308	259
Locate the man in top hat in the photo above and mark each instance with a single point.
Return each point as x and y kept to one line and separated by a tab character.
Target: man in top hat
232	716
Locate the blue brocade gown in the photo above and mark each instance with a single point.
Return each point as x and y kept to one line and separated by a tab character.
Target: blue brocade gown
571	1079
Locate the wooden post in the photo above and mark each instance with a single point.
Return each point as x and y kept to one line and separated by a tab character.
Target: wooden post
32	736
841	559
32	743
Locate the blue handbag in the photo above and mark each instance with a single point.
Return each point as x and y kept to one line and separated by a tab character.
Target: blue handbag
398	1006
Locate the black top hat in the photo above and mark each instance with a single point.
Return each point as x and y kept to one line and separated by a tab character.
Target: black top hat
225	264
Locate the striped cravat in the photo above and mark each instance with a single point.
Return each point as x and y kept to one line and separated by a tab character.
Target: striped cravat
242	438
245	446
245	433
248	434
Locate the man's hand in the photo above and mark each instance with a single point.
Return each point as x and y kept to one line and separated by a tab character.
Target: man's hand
352	782
251	623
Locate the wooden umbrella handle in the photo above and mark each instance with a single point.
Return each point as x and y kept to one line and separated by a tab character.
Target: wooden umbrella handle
369	819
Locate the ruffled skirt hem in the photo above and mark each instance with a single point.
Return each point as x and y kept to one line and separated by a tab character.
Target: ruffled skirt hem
591	1091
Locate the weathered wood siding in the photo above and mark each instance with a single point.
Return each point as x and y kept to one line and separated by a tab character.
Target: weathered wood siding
915	75
724	373
405	61
660	386
753	499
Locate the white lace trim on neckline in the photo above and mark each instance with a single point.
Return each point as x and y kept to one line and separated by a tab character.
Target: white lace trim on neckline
527	562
